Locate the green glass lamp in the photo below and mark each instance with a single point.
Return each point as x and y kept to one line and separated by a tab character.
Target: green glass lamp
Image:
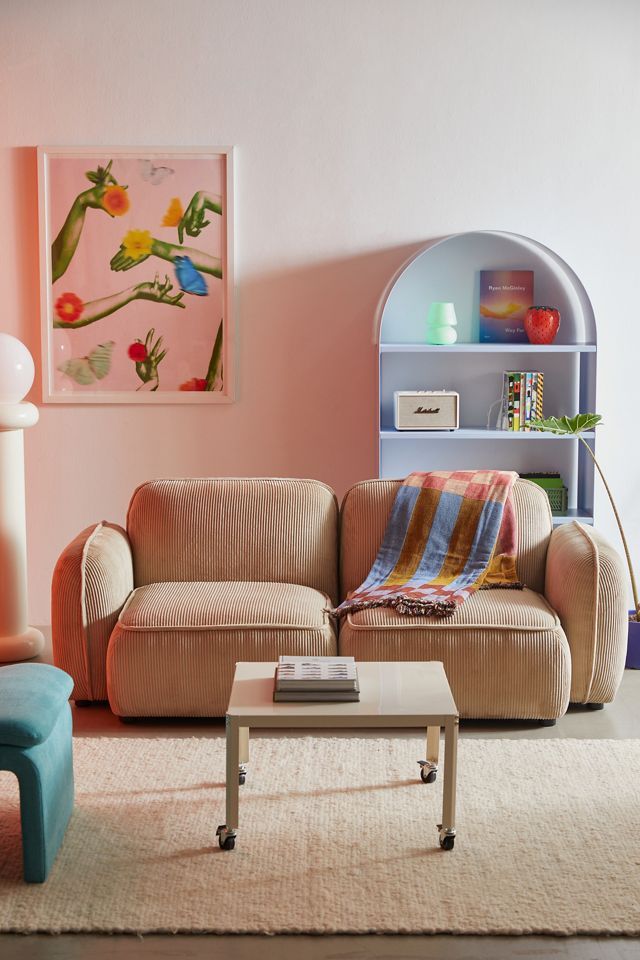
442	323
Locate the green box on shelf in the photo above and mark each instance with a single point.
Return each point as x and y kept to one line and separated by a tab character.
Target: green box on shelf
554	487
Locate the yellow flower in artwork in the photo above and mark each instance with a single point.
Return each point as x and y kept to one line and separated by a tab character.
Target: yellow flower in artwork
137	243
174	213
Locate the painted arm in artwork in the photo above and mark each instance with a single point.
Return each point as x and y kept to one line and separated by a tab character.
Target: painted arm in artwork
193	221
71	312
213	380
106	194
128	257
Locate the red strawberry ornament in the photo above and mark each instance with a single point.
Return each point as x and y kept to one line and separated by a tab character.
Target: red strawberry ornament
542	324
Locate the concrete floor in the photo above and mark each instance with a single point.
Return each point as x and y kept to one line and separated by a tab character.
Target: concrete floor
620	720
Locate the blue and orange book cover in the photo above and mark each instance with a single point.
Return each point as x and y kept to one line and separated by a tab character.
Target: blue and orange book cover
505	296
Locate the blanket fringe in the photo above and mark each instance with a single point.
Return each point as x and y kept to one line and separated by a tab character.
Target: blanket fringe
518	585
408	606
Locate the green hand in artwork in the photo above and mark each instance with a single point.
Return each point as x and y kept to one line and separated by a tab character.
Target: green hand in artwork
71	312
123	260
148	356
105	194
193	220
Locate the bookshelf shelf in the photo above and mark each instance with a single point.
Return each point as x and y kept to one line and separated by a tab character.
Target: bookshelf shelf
449	270
488	348
477	433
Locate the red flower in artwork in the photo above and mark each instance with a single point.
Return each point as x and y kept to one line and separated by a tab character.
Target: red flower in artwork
138	352
68	307
194	384
115	200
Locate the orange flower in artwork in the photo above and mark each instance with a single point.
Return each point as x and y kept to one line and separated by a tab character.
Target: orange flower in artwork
116	201
196	383
174	213
68	307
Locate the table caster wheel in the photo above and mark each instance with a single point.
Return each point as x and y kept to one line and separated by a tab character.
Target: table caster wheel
226	838
446	838
428	771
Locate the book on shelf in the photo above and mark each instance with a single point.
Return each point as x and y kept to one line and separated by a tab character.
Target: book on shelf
505	296
522	392
316	678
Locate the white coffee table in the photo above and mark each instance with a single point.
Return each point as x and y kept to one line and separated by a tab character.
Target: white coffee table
392	694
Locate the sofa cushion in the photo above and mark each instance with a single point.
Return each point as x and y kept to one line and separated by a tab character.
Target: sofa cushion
504	651
235	529
174	649
226	604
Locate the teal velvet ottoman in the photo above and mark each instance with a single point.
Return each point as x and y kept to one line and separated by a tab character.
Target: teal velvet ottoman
35	744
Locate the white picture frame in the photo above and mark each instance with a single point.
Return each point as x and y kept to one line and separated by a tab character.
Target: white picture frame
137	307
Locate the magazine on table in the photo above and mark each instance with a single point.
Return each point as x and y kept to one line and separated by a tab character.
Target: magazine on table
320	679
318	673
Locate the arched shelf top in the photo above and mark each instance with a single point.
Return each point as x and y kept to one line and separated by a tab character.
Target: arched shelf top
449	269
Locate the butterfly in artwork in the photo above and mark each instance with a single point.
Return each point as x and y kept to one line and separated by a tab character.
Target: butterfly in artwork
189	278
95	366
152	174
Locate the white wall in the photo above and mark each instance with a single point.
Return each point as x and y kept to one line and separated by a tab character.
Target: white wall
363	127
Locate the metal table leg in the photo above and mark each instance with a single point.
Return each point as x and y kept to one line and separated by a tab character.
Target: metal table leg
243	757
429	767
447	829
226	832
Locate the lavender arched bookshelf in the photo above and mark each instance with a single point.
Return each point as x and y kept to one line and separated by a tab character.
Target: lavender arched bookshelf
449	269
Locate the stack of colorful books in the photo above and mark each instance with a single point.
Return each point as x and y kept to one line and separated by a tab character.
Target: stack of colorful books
521	398
319	679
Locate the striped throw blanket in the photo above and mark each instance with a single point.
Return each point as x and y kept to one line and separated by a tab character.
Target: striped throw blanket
449	533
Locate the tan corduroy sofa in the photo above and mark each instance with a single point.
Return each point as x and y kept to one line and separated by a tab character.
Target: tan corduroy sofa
208	572
507	653
211	571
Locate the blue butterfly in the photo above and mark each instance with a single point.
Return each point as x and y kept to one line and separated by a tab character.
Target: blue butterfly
190	279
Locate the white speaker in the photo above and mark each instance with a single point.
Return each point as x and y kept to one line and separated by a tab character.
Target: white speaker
426	409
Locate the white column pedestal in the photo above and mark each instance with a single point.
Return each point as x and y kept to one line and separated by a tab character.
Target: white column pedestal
18	641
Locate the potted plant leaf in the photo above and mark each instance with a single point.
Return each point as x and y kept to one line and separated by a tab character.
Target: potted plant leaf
576	426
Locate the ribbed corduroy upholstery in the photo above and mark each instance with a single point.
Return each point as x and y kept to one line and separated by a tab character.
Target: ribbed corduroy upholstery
278	530
504	651
366	508
174	649
586	582
91	582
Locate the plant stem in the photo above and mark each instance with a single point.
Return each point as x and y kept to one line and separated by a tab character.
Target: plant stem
634	587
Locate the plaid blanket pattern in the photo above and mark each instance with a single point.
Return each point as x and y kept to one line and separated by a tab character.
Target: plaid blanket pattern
449	533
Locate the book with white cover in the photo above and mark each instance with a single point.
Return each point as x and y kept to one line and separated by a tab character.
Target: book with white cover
316	673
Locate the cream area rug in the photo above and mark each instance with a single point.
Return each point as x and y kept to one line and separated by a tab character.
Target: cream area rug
338	835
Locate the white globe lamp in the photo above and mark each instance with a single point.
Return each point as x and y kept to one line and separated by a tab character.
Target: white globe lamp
18	641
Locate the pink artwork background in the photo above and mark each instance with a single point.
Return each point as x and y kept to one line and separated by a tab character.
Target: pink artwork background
189	333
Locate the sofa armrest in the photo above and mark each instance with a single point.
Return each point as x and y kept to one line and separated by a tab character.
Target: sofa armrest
586	584
91	582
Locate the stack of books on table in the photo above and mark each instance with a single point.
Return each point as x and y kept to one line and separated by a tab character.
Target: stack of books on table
316	679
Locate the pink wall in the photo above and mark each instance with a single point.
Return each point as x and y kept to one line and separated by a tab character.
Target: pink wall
362	129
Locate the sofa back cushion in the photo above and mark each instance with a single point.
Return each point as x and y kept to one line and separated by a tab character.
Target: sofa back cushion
267	530
366	508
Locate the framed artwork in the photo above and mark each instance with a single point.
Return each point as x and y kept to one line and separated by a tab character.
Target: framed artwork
136	274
